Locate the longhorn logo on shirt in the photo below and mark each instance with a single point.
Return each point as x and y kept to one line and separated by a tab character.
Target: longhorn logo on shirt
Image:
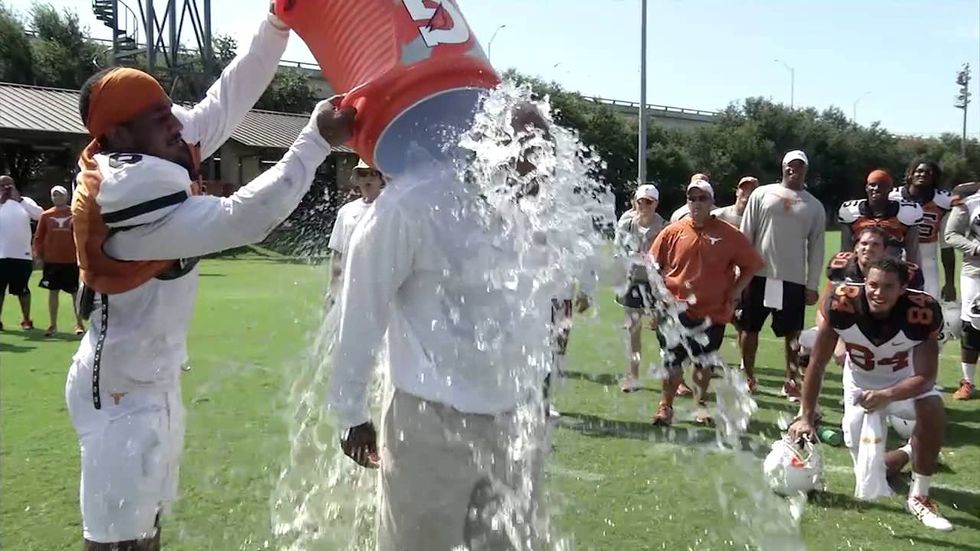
789	203
713	240
63	223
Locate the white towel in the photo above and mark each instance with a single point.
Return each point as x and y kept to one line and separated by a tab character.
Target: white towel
870	482
773	297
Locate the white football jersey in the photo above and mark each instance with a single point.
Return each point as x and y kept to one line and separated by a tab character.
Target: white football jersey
879	351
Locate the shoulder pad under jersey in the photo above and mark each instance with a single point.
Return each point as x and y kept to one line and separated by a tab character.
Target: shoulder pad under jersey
849	211
843	305
919	314
139	189
837	269
909	213
943	199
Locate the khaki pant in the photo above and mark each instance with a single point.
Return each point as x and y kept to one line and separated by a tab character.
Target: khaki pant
451	480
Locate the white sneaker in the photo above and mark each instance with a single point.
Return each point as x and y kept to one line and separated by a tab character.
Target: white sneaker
553	413
629	384
927	512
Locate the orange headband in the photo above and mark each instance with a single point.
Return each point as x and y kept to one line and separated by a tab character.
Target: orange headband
879	176
119	96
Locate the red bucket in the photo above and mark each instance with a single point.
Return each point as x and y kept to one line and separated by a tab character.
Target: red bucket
412	68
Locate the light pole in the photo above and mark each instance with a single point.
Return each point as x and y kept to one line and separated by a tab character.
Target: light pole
792	82
494	35
854	106
963	100
641	154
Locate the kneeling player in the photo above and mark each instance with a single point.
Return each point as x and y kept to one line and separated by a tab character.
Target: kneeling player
890	334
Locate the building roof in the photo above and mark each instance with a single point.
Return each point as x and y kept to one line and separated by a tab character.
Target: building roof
40	109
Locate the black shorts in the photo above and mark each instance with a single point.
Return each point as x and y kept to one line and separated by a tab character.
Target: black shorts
639	294
59	277
675	357
971	338
14	275
753	312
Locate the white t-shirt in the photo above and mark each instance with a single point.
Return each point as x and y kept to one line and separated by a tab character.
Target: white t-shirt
343	226
15	227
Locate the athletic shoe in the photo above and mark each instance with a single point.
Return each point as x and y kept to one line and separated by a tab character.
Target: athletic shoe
50	331
79	329
27	325
553	413
629	384
753	385
684	390
927	512
703	416
966	390
664	417
791	391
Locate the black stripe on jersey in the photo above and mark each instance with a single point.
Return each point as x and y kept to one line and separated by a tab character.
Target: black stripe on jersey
145	207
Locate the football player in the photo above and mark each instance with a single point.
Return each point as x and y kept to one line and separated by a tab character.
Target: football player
899	219
890	334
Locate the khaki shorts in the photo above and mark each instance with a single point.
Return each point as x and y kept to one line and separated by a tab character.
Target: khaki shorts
445	474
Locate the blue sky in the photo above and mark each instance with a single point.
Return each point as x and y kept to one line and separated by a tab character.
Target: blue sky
899	57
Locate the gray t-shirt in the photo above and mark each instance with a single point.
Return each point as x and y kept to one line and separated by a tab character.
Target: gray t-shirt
787	228
961	234
633	241
728	214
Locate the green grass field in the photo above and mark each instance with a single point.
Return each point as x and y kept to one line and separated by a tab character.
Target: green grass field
618	482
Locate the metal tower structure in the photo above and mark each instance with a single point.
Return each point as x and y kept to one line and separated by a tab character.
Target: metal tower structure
171	39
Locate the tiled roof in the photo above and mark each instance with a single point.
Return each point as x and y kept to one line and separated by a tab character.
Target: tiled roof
38	109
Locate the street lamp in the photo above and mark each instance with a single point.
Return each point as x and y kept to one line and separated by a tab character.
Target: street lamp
854	106
494	35
792	82
641	157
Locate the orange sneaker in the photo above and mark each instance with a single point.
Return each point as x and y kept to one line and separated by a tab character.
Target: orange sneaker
664	417
684	390
753	385
966	390
791	391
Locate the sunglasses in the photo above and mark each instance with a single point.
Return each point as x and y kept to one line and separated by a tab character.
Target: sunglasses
645	201
698	198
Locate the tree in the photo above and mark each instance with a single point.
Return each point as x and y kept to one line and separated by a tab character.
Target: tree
290	91
16	61
63	55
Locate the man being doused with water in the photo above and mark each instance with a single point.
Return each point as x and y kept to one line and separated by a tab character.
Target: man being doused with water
439	264
137	221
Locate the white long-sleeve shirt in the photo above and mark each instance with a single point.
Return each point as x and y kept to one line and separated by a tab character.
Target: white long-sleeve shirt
462	328
145	332
15	227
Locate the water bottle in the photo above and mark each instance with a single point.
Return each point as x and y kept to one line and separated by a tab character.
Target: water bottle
415	73
830	436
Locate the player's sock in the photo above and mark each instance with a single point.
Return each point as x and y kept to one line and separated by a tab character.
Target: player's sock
969	372
920	485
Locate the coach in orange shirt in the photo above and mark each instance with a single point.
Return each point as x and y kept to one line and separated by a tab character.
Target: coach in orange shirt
697	257
54	244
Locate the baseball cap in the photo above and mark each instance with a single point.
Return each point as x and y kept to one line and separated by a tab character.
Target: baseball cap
59	189
700	176
795	155
703	185
879	176
748	180
647	191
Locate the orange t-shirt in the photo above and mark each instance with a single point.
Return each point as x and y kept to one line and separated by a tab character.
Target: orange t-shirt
702	262
54	241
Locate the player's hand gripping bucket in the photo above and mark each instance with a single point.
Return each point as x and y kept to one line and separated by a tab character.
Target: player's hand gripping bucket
412	68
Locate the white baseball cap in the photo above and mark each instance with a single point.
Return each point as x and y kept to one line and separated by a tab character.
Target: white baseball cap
647	191
59	189
703	185
795	155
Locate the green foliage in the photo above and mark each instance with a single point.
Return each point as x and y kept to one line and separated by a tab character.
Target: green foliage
16	62
290	91
63	56
749	138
